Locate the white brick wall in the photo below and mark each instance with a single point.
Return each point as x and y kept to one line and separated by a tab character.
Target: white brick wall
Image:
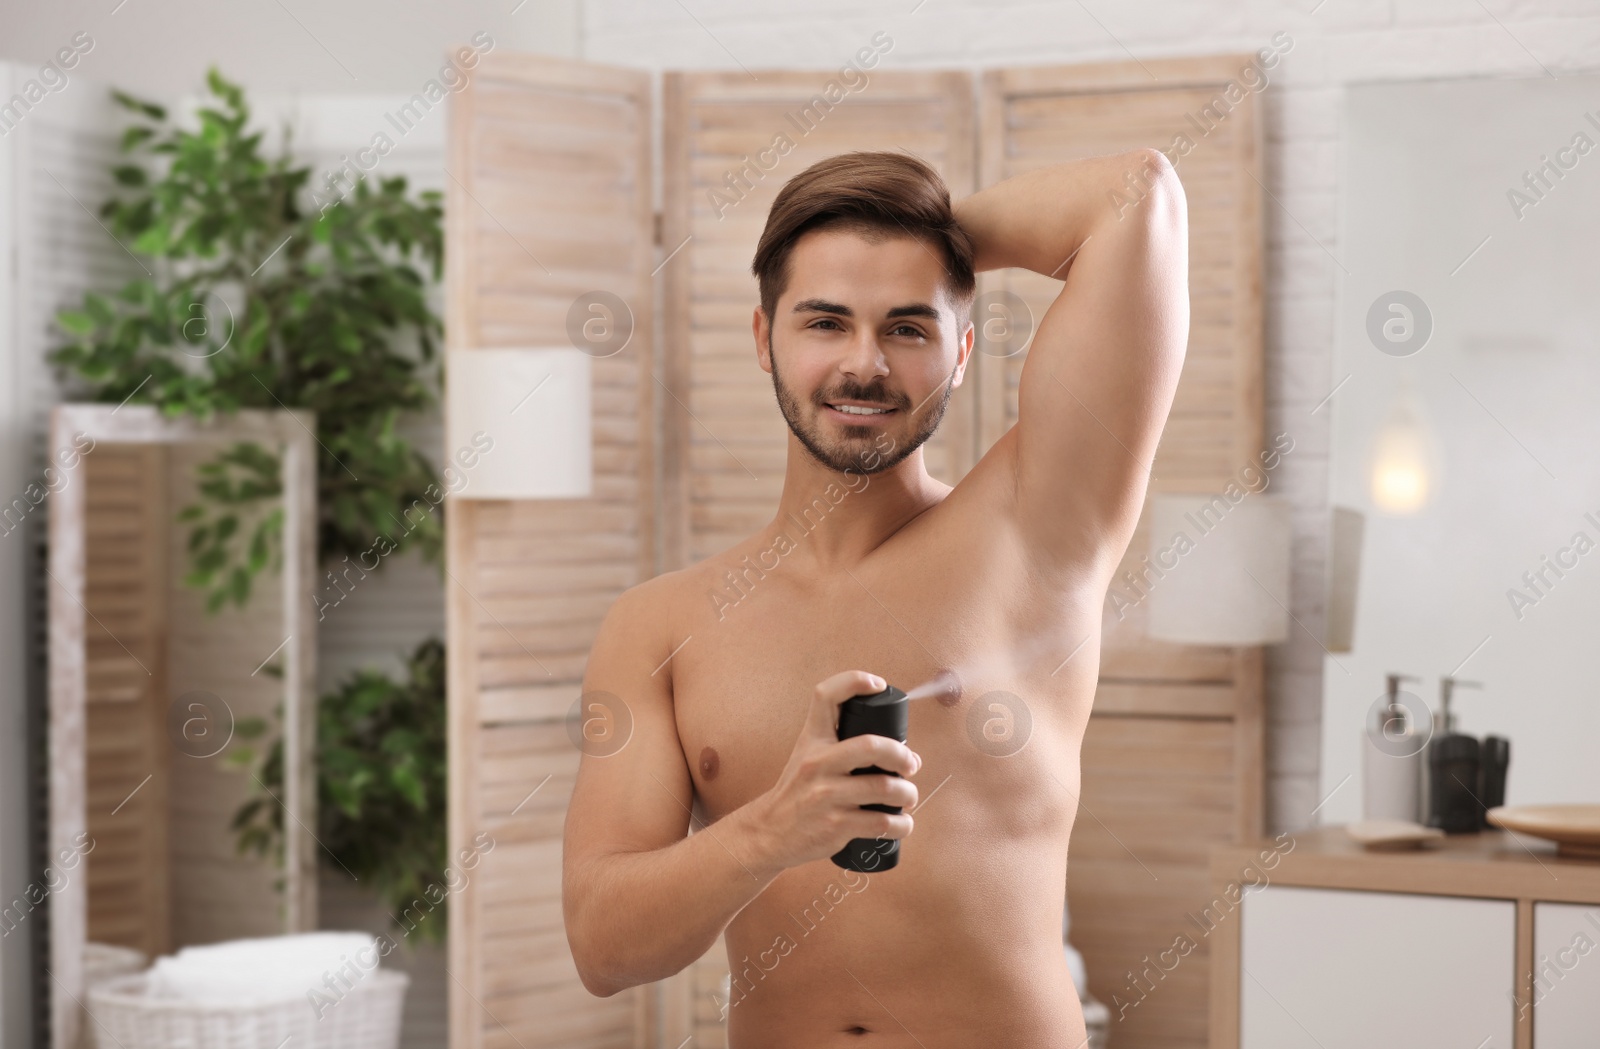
1335	42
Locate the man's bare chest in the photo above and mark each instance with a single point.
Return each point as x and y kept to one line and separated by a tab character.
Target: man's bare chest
1004	681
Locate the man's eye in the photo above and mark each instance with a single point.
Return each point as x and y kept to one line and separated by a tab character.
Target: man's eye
823	321
908	328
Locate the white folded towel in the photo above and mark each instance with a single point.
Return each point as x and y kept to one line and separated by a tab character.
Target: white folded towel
268	969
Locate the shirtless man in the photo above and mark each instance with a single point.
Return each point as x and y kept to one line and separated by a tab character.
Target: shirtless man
730	672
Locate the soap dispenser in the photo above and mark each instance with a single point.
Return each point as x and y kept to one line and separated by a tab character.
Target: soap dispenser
1454	769
1391	758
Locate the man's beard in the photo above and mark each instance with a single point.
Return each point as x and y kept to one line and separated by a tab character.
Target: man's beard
845	459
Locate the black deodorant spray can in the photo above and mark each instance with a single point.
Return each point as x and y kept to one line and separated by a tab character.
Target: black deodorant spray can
879	714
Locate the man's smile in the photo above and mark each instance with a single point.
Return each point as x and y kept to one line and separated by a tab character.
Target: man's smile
858	412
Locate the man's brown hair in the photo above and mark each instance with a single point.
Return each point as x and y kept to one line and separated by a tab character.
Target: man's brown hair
871	193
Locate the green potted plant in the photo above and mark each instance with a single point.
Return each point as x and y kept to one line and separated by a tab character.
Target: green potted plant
255	300
380	789
258	295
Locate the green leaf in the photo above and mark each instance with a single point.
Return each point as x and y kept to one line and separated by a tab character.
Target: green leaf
149	109
246	813
133	136
152	241
75	321
99	309
223	88
405	781
258	551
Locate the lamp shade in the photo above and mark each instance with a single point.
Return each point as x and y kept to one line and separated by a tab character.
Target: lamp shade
531	407
1344	573
1224	569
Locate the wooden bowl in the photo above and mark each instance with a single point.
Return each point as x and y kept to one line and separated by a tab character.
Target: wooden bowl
1574	828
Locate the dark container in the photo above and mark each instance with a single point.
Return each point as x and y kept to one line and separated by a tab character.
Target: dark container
1453	770
1494	758
879	714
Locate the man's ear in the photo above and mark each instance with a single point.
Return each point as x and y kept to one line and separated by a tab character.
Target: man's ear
963	355
763	336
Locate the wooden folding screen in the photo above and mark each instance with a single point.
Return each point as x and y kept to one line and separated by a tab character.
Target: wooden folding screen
126	771
549	199
724	440
1172	757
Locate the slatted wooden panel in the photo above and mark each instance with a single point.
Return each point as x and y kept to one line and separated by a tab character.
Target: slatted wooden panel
127	755
725	441
228	656
217	893
1172	759
549	198
1036	117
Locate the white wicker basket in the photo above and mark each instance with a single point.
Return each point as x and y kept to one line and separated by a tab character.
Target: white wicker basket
102	962
368	1017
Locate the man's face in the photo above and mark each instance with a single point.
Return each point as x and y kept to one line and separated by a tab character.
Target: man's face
863	347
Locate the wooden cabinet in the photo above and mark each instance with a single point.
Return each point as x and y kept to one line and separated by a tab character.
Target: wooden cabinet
1483	940
1565	991
1325	967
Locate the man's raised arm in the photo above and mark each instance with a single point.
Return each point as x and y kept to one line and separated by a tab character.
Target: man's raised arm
1104	363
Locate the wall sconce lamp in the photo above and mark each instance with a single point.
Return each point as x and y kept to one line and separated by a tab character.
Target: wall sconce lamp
534	404
1403	464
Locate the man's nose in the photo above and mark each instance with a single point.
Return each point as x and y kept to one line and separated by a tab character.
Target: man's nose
864	360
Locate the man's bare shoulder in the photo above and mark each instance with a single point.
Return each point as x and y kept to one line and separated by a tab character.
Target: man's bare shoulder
651	602
635	635
692	580
662	609
666	598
